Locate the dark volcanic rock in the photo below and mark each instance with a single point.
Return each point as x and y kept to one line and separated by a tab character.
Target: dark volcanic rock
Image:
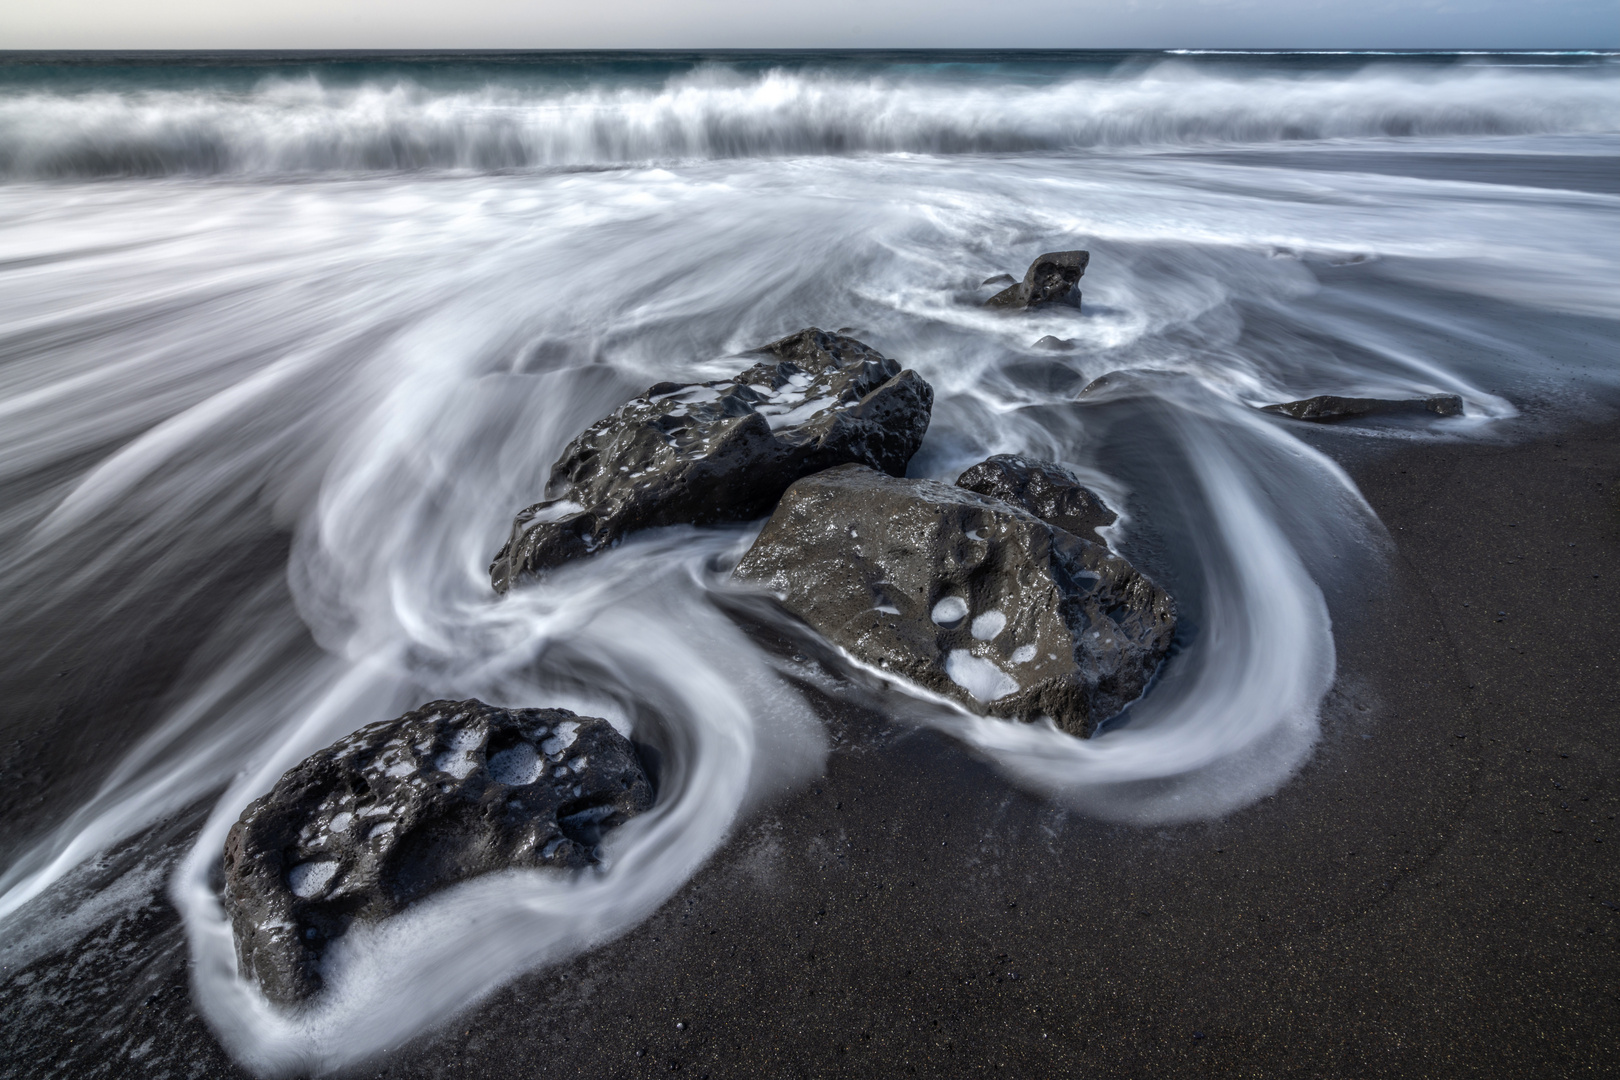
1055	344
1044	488
964	594
1326	408
704	453
405	807
1050	279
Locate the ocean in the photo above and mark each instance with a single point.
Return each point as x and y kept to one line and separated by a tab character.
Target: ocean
286	339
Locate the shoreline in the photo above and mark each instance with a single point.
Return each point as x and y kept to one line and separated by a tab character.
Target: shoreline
1402	906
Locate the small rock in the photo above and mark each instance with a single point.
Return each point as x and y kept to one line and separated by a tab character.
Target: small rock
403	808
1050	279
964	594
1000	279
705	453
1044	488
1054	344
1326	408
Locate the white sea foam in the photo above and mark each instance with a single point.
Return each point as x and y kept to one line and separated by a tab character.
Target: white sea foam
383	368
978	676
303	125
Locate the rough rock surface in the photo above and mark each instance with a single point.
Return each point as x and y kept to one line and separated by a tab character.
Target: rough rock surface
405	807
703	453
1325	408
964	594
1051	279
1044	488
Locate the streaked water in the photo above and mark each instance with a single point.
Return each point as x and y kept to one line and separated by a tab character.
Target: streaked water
366	302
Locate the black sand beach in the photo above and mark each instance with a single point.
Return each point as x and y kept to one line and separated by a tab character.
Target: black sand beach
1437	893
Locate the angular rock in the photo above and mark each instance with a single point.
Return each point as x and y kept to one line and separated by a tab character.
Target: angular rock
405	807
964	594
705	453
1051	279
1326	408
1044	488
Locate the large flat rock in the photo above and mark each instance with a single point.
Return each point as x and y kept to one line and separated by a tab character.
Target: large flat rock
1327	408
964	594
405	807
705	453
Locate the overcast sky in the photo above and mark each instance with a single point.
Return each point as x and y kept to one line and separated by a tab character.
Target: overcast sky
562	24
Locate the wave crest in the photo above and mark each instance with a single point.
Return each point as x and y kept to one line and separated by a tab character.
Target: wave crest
307	127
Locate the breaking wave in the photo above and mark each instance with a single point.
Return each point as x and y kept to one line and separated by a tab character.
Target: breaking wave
305	126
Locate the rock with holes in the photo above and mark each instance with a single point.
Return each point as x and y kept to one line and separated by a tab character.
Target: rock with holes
1052	278
964	594
704	453
1044	488
405	807
1326	408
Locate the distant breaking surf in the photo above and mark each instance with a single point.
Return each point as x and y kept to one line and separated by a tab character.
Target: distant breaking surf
303	125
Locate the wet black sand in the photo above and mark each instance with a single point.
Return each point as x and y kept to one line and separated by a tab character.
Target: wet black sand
1436	894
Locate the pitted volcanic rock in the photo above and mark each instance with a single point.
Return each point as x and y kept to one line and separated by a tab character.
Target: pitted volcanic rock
403	808
965	595
1044	488
705	453
1052	278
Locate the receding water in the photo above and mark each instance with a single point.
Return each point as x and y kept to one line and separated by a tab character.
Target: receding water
366	302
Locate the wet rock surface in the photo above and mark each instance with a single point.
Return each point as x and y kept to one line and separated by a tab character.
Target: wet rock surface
1044	488
704	453
964	594
1326	408
1051	279
405	807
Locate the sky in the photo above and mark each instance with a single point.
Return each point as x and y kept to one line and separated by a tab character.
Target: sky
566	24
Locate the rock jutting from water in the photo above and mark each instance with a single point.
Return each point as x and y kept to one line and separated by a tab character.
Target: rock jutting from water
964	594
706	453
403	808
1044	488
1052	278
1326	408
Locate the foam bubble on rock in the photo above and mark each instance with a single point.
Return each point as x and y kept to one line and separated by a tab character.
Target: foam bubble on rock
988	625
562	740
1023	654
311	878
517	765
458	763
949	611
978	676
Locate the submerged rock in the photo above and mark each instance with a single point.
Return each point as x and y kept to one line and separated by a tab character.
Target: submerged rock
1325	408
704	453
1051	279
403	808
1054	344
1044	488
964	594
